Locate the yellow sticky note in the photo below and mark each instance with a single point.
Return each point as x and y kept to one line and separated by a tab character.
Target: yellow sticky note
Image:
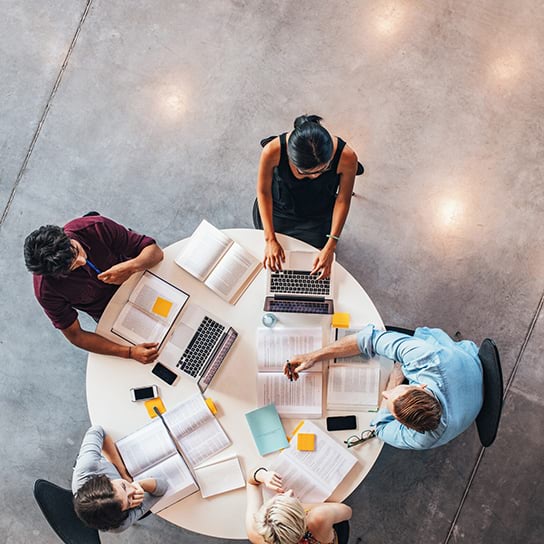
211	406
151	403
340	320
306	441
162	307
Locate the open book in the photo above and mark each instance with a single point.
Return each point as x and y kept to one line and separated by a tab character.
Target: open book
353	382
152	307
222	264
149	452
353	386
300	399
313	475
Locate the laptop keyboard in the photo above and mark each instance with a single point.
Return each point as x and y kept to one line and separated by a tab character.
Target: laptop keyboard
299	282
200	346
298	306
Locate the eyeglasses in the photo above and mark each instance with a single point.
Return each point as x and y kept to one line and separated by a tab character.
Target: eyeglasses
355	440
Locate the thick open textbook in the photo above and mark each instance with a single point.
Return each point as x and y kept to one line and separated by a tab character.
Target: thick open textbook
214	258
294	399
150	452
150	311
313	475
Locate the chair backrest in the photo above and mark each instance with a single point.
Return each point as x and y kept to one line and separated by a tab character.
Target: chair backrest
342	531
488	419
56	504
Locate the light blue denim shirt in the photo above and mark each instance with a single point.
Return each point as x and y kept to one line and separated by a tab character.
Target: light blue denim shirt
451	370
90	462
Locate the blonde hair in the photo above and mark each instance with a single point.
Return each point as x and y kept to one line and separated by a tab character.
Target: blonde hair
281	520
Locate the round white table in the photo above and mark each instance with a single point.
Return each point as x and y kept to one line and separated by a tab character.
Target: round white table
234	387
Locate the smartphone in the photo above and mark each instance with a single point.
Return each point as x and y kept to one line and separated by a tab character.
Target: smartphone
165	374
341	423
144	393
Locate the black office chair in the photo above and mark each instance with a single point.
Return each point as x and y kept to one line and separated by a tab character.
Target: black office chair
56	504
489	417
342	531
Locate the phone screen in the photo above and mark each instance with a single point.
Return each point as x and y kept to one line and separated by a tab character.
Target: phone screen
143	393
164	373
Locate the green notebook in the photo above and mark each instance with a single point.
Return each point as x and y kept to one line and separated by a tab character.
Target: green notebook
267	430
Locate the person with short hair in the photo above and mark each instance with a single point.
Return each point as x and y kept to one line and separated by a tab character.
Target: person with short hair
105	495
444	389
284	519
80	267
304	188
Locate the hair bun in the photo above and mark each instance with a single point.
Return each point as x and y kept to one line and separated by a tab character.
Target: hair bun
302	119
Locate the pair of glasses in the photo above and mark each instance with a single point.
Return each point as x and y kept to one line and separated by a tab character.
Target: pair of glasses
356	439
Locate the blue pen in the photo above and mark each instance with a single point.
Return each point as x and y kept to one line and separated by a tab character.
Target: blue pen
91	265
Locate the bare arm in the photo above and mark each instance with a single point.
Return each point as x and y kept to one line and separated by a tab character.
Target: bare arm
345	347
90	341
119	273
347	168
270	157
270	479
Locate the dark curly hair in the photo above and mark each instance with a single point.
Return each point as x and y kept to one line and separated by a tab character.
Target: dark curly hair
48	251
310	145
97	506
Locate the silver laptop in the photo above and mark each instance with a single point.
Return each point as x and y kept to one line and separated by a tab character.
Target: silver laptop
198	345
293	289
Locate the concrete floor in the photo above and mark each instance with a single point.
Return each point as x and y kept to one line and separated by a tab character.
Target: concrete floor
134	108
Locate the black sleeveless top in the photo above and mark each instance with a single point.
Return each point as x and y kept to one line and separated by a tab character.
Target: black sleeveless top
304	198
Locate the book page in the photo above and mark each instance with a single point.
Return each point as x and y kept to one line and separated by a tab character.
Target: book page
275	346
158	298
180	481
220	476
306	488
327	465
145	447
302	398
203	251
353	386
236	267
137	327
196	429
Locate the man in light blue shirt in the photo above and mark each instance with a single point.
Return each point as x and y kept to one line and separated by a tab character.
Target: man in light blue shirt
444	393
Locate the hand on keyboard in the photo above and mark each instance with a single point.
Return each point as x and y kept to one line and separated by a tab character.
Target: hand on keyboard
274	255
323	262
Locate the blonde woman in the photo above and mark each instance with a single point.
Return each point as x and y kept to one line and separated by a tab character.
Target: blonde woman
284	519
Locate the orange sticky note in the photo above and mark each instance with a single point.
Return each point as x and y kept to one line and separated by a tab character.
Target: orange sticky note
306	441
162	307
340	320
151	403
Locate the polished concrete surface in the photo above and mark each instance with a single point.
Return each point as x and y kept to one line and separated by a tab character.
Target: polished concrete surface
151	112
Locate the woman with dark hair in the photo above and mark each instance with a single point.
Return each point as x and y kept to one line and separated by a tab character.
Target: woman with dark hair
304	188
105	496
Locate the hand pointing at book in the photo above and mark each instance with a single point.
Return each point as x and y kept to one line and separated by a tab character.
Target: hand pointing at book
297	364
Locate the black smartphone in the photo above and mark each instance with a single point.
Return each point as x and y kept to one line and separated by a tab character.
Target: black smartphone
165	374
341	423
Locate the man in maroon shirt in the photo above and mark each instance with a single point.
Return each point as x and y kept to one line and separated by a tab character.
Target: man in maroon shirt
79	267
